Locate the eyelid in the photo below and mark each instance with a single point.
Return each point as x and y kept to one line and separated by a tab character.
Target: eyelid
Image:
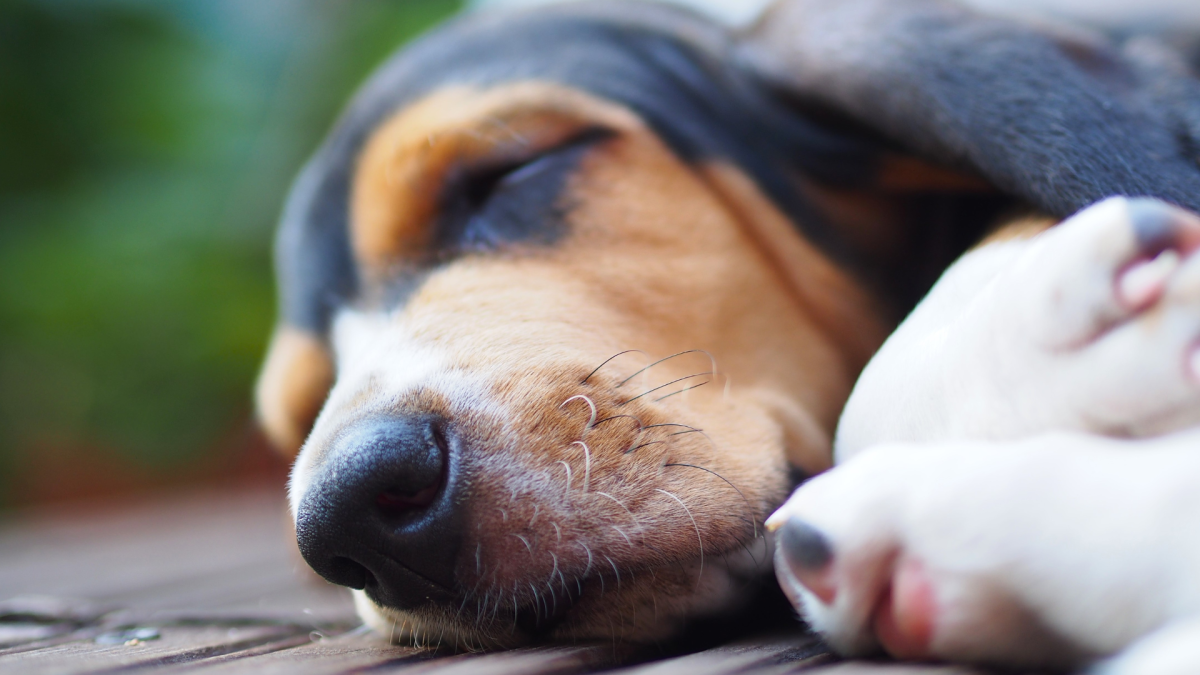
471	219
405	167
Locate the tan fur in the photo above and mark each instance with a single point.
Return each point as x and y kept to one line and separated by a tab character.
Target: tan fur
901	173
291	387
646	524
403	167
1021	228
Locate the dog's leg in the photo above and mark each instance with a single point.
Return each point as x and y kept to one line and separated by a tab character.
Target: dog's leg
1047	551
1090	326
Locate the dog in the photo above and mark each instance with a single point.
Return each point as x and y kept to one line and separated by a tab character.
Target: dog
572	298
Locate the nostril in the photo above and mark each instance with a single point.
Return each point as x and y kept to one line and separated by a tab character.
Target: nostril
420	480
345	572
396	502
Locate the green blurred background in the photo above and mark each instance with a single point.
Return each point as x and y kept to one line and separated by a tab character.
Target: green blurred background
145	150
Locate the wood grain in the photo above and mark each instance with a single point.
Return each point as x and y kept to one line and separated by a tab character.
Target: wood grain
216	582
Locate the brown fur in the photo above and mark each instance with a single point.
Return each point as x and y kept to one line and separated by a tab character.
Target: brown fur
291	389
1020	228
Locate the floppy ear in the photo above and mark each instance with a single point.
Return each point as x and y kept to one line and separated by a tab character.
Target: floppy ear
292	387
1059	119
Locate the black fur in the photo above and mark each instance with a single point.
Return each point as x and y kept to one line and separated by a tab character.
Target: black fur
1061	118
1055	121
700	105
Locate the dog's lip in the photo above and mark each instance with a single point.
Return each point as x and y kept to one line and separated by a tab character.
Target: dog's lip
373	585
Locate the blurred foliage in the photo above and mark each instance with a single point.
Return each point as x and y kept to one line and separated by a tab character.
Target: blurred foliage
145	150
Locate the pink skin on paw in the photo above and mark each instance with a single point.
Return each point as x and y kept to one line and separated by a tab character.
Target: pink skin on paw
818	582
1143	282
905	617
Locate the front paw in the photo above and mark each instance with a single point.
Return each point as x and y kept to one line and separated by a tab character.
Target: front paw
1091	326
1046	552
1096	326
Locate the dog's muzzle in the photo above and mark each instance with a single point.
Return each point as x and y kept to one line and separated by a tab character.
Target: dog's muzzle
379	514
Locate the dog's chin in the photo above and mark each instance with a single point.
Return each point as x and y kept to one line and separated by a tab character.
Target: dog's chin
646	606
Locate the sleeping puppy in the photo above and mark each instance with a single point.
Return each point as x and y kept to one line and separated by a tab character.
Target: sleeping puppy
545	286
571	298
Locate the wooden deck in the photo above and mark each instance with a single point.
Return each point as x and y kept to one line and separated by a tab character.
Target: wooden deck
210	584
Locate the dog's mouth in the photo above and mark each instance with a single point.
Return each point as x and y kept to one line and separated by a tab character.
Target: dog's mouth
645	605
601	515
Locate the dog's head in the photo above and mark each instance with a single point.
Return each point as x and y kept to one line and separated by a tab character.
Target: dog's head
567	319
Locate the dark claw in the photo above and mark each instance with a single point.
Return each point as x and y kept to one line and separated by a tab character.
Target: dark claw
804	546
1154	222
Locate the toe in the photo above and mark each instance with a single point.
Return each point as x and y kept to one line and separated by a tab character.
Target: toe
1159	226
904	620
809	556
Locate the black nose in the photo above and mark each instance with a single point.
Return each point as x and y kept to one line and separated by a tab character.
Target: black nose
379	514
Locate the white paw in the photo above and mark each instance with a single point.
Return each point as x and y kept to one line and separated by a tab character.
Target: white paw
1091	326
1046	552
1104	312
1173	650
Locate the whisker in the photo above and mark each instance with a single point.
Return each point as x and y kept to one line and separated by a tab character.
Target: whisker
672	424
495	607
622	533
616	572
558	571
587	464
643	445
591	405
697	527
469	596
618	502
568	468
537	600
587	569
627	351
683	390
668	358
753	520
641	427
524	541
661	386
550	581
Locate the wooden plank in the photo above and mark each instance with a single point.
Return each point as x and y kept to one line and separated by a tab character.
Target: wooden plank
532	661
359	652
792	648
214	552
174	645
217	578
352	652
886	668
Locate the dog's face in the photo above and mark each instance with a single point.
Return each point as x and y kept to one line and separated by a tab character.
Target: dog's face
562	366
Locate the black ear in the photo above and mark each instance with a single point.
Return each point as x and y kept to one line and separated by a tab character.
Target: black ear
1057	119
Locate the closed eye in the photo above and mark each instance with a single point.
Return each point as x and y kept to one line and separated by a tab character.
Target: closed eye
514	203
